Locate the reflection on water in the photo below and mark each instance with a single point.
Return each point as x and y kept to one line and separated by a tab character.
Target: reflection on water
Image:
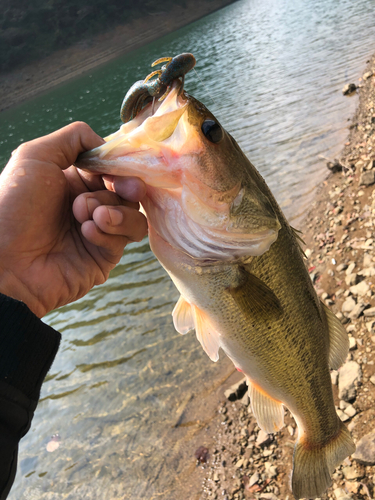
127	394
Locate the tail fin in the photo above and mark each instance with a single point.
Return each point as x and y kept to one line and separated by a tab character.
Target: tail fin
313	465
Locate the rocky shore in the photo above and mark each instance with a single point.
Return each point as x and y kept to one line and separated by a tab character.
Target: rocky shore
246	463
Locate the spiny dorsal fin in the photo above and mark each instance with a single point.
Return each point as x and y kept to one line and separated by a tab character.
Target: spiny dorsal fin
301	243
183	316
268	412
255	298
338	340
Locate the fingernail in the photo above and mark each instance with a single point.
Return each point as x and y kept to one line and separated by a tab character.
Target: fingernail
115	216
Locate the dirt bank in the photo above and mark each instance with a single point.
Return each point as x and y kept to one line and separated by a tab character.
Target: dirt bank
244	463
37	77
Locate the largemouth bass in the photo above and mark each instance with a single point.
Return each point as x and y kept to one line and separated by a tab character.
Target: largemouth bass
218	231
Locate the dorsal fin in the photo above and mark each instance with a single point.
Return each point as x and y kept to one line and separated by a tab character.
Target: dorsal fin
301	243
338	340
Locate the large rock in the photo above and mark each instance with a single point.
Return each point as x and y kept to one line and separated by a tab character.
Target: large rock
349	88
334	166
367	178
349	375
365	452
237	390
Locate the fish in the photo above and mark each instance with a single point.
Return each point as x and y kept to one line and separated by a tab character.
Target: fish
216	228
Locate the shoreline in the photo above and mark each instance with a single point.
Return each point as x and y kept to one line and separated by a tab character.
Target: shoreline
35	78
245	463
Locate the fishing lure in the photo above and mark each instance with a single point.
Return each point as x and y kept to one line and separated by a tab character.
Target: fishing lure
149	89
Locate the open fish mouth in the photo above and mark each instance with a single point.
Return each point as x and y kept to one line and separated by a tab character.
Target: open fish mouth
141	147
186	204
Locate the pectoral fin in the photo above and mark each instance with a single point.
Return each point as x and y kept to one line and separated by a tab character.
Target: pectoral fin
256	299
268	412
338	340
183	316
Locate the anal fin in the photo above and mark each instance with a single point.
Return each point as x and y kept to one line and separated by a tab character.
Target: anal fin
268	412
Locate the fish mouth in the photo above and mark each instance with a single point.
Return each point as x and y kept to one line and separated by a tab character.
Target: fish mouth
143	147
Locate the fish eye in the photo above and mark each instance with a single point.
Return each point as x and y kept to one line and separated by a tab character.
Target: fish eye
212	131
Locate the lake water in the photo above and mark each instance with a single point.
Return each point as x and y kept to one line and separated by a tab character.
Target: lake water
127	394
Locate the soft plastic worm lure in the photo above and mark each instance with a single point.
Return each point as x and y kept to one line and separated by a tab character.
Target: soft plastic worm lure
149	89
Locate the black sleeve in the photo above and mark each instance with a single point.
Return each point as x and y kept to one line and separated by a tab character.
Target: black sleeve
27	349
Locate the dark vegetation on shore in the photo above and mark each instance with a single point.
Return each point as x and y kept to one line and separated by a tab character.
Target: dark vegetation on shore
30	29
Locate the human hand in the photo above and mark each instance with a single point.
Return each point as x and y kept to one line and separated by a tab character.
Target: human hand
61	231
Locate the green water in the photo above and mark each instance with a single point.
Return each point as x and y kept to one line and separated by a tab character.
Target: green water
123	378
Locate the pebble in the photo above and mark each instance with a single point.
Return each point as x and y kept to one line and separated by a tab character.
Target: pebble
365	452
239	463
357	311
263	438
351	279
334	380
360	289
348	305
352	343
367	75
268	496
341	267
367	260
237	390
350	268
351	472
349	374
369	312
254	479
350	411
270	469
340	494
342	416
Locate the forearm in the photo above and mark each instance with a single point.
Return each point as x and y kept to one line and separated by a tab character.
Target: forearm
27	350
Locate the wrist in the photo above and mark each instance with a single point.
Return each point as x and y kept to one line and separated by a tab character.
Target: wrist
11	286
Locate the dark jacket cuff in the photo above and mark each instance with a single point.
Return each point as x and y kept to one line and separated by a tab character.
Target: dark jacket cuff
27	347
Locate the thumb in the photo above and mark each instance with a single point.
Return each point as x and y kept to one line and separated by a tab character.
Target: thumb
61	147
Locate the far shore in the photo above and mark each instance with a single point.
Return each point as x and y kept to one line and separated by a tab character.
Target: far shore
37	77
